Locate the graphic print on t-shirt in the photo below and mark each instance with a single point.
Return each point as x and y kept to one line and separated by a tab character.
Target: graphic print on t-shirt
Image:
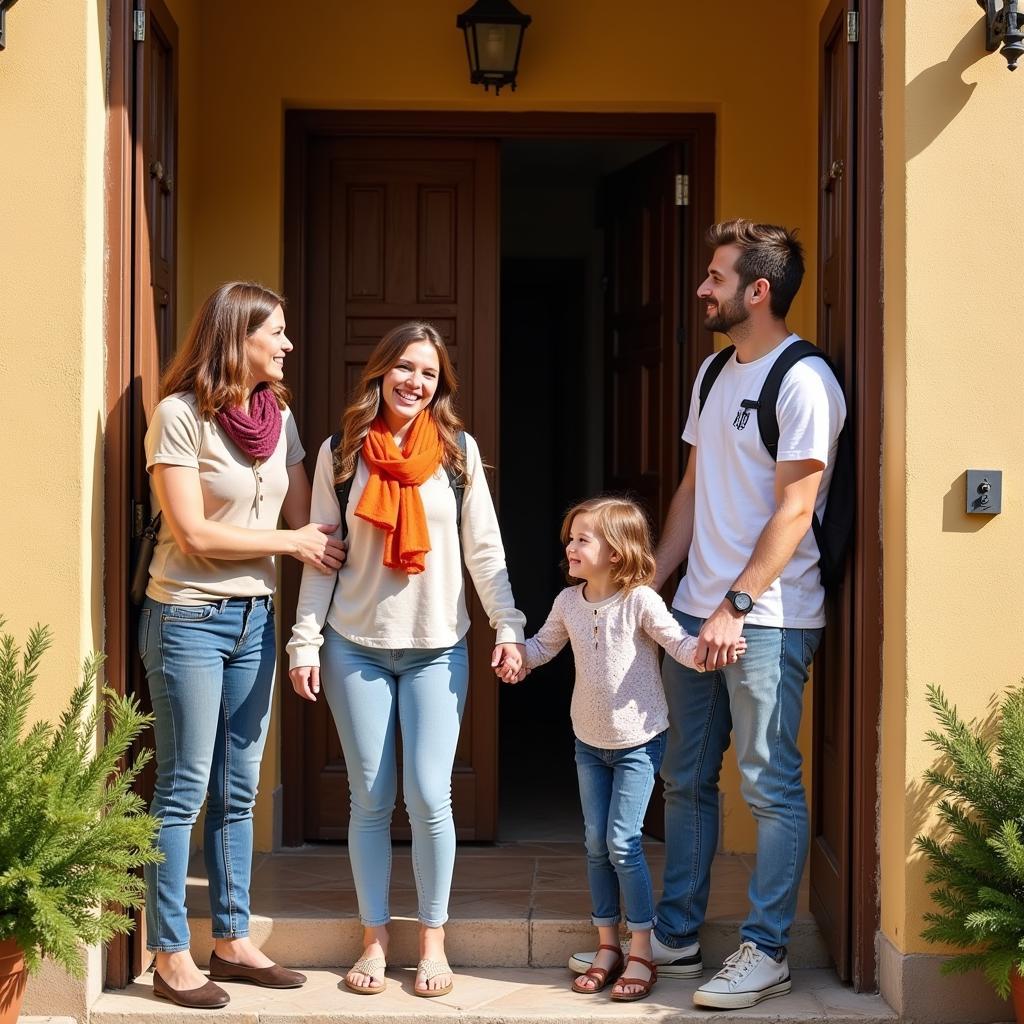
743	414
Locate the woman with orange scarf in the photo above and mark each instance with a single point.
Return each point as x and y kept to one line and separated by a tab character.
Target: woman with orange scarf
386	638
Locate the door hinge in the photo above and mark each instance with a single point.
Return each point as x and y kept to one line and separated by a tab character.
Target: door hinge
138	518
852	26
139	29
682	190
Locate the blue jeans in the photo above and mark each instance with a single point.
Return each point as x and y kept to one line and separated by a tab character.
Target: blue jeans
615	788
211	675
371	692
760	700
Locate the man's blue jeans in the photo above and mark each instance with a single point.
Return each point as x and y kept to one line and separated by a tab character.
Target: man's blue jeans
615	788
211	674
371	692
760	701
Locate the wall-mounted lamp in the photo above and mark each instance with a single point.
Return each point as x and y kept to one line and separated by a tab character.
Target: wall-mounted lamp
1004	23
494	39
5	6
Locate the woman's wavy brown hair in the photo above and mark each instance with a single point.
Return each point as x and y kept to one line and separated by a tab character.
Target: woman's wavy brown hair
212	362
365	402
627	531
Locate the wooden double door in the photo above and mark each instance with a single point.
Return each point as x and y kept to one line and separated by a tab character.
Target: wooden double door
399	229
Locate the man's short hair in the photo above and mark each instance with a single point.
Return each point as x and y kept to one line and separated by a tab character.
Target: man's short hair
768	251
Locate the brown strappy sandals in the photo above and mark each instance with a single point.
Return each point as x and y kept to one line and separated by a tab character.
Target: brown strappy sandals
599	974
621	996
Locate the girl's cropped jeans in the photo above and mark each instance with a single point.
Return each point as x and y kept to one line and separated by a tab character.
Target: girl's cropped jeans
373	691
211	674
615	789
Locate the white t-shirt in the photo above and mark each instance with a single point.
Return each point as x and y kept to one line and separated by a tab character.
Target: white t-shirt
735	483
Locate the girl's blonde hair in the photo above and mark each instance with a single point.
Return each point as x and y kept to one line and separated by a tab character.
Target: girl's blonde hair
212	361
625	528
366	399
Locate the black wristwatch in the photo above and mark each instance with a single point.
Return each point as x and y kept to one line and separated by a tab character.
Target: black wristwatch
740	601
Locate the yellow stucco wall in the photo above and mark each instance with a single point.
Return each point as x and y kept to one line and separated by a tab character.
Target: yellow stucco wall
408	55
52	125
954	362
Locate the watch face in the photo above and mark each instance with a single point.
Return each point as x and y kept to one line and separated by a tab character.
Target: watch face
742	602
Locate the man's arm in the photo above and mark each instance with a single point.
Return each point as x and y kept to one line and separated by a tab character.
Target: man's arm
796	491
677	532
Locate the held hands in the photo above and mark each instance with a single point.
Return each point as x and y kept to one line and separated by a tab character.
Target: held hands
721	640
507	662
315	546
306	681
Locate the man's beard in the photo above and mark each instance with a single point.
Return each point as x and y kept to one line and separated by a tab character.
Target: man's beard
730	314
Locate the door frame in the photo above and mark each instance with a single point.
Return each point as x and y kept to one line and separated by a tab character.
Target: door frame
303	127
125	209
866	562
117	317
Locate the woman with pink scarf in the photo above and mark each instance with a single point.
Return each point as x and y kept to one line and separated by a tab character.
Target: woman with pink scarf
226	461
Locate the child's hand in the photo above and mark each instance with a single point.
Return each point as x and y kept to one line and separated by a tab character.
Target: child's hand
507	675
507	661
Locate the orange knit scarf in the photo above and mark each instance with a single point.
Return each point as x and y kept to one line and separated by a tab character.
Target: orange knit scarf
391	500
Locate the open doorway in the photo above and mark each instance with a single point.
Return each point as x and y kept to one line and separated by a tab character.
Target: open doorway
557	267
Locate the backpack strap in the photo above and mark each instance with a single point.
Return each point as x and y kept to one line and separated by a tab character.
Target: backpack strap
342	489
711	374
457	484
768	400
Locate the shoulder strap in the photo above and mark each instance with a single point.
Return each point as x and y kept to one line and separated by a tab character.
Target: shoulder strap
711	374
457	484
768	400
342	489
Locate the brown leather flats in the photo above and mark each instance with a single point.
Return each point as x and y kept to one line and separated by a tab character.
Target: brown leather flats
268	977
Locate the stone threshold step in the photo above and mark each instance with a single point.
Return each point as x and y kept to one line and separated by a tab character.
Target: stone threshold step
333	941
492	996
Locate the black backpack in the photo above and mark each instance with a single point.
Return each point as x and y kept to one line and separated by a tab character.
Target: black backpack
457	485
834	532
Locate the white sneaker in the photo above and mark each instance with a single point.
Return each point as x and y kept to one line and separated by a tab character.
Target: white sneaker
747	977
684	962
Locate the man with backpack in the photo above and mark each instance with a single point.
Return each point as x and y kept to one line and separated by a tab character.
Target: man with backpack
747	519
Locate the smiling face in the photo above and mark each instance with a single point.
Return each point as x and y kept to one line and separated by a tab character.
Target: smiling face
409	386
265	350
587	552
723	297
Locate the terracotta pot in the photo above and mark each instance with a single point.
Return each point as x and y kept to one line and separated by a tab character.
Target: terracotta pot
1017	995
12	981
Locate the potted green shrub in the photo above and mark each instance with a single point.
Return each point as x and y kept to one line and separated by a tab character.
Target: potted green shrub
71	829
978	865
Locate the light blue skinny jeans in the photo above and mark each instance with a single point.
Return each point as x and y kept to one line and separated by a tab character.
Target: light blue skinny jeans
373	691
615	789
760	701
210	669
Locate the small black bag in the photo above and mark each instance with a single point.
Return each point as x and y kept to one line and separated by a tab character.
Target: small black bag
143	556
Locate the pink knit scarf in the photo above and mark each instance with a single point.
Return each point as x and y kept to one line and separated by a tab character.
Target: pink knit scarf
257	431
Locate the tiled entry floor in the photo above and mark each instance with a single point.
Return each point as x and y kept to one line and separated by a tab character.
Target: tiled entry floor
538	879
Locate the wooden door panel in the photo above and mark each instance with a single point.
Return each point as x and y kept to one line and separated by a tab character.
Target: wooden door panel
400	231
831	807
642	314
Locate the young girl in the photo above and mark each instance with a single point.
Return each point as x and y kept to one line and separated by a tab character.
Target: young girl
615	623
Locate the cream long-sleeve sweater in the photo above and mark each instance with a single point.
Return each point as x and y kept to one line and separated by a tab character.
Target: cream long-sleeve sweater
380	607
618	700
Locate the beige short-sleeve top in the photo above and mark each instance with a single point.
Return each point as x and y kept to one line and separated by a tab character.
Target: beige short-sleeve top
236	490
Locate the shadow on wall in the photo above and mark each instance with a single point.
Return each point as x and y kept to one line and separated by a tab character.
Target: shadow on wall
938	94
